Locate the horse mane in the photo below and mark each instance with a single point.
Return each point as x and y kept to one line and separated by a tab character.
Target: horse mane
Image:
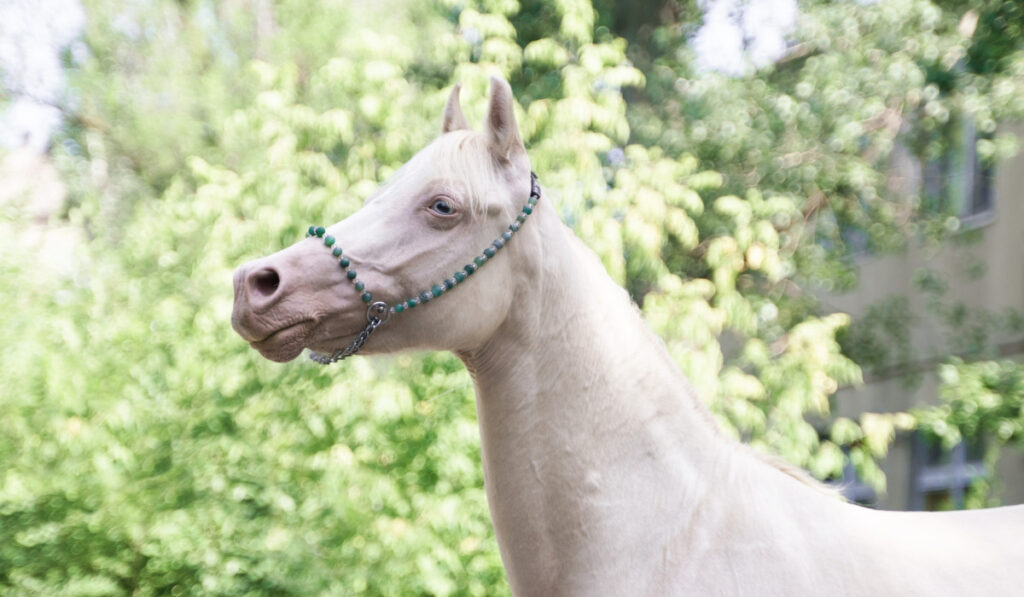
799	474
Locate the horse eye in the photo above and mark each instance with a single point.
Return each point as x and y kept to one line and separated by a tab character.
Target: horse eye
442	207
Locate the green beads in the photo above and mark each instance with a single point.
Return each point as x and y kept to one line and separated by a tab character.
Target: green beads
446	285
343	262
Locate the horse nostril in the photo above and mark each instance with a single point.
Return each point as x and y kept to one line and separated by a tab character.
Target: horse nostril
265	282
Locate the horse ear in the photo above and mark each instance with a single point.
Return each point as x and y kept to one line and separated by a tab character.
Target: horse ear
500	125
454	120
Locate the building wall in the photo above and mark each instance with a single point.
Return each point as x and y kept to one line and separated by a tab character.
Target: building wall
991	244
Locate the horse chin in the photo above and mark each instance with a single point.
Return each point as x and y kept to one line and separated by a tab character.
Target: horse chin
279	354
284	344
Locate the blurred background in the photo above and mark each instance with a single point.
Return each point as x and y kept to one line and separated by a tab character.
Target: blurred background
816	203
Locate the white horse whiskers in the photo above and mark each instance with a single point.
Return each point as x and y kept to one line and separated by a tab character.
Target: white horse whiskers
605	474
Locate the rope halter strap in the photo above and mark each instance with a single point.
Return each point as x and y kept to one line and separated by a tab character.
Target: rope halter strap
379	312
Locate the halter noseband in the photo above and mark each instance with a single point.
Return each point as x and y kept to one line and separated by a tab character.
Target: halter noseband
379	312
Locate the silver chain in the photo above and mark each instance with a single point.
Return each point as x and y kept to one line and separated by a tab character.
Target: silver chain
376	315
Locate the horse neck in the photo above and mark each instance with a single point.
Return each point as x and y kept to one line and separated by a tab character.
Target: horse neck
593	442
575	346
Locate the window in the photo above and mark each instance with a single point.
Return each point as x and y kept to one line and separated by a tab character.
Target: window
959	181
939	478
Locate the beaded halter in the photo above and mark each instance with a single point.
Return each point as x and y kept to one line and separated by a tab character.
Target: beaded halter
379	312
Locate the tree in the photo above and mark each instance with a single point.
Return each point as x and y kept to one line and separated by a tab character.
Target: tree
146	450
862	85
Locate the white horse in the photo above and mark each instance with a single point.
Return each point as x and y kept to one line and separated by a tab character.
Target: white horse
605	474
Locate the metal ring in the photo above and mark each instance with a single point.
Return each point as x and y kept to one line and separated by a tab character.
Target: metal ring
379	311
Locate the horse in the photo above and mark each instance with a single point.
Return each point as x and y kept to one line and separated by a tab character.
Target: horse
604	472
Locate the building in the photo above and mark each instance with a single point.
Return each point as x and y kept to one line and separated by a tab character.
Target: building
979	271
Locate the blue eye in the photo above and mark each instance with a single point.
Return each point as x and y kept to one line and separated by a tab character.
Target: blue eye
442	207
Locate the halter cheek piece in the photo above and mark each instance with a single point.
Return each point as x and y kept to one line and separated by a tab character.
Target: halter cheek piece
379	312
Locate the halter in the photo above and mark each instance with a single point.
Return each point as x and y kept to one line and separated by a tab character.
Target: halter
379	312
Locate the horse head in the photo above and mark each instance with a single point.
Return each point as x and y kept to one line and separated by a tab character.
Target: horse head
416	239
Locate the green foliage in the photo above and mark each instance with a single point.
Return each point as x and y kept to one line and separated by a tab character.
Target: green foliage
880	339
980	399
864	83
150	451
146	450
